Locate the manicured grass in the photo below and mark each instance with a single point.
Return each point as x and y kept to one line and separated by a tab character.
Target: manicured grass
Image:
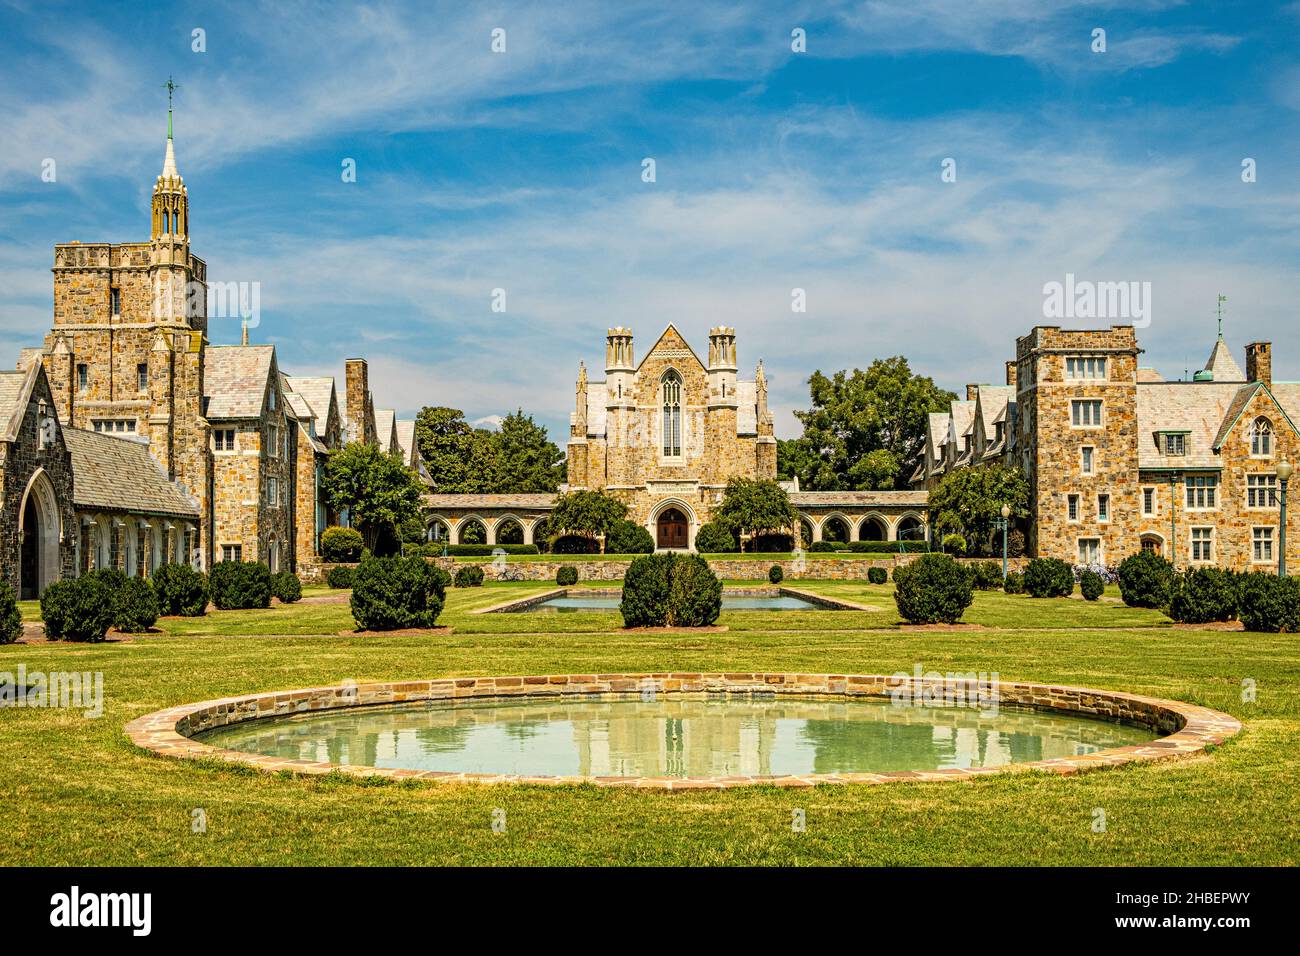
73	791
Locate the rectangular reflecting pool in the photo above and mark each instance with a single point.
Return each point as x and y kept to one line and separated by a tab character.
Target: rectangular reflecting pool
579	600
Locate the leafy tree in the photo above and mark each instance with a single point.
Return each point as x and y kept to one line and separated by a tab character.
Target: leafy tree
586	513
882	410
754	505
459	458
377	490
526	459
970	500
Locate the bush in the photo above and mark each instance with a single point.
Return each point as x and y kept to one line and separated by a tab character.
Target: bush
1049	577
181	590
628	537
713	538
135	606
1269	603
286	586
773	543
341	577
954	544
434	549
575	544
1091	585
1015	583
886	547
56	602
670	590
877	575
1145	579
567	576
469	576
933	589
341	545
1203	595
89	609
821	546
775	574
240	584
392	593
986	575
11	619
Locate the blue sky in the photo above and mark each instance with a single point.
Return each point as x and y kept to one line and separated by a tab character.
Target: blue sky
775	170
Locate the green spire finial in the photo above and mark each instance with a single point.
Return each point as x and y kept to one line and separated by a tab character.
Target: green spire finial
1222	299
171	88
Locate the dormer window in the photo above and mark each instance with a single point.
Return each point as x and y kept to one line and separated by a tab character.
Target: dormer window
1261	438
1173	444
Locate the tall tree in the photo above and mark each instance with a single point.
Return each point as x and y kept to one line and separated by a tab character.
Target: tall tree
461	459
379	493
586	512
755	505
866	429
970	500
526	458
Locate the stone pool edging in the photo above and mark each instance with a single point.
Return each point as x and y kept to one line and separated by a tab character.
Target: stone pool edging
1190	728
820	601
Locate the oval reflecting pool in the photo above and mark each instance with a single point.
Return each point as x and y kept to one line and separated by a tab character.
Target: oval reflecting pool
679	735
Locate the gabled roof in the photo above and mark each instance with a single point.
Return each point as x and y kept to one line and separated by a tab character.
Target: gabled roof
235	380
406	440
319	392
937	425
385	422
119	474
663	335
1223	365
1238	407
1197	408
15	394
991	401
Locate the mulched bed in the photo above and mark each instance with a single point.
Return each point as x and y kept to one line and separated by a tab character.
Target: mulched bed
712	629
401	632
942	627
1212	626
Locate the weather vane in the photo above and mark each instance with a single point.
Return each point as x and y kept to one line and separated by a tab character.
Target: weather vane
171	88
1222	299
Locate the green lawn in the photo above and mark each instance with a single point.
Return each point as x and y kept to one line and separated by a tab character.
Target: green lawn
73	791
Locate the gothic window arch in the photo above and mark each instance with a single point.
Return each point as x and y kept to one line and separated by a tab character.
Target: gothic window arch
1261	438
672	418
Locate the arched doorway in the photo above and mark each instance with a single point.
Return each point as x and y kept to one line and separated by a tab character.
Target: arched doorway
38	530
472	531
873	528
910	528
509	531
672	529
835	529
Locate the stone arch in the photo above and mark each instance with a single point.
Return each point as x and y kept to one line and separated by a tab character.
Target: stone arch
806	526
40	529
910	526
538	531
837	528
512	526
874	527
466	525
1152	541
437	529
678	504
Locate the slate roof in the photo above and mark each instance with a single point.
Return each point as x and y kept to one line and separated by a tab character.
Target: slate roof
1198	408
859	499
317	391
1223	365
508	502
406	439
15	393
119	474
385	418
992	403
234	380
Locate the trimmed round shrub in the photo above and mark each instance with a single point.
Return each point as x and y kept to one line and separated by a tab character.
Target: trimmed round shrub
567	576
628	537
240	584
575	544
286	586
341	577
821	546
181	590
391	593
775	574
1091	585
986	575
341	545
877	575
933	589
469	576
954	544
672	590
1269	603
1049	577
56	602
1145	579
89	609
1015	583
11	619
1202	595
694	592
713	538
135	606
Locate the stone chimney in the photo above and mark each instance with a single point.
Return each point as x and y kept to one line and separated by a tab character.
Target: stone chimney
972	392
1011	372
1259	362
357	390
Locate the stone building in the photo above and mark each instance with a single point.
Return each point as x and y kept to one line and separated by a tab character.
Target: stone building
1120	459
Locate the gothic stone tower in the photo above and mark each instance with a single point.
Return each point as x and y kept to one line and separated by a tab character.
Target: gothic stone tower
666	433
126	351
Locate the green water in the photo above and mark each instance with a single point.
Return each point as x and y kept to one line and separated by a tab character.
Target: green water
673	736
730	602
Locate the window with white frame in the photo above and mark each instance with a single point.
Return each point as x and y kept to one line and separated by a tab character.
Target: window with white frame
1087	454
142	377
1174	444
273	441
1085	413
1072	507
83	377
1261	438
1103	507
223	439
1148	501
1261	543
1202	544
272	492
111	426
1202	492
1261	491
232	552
1090	550
1089	367
672	410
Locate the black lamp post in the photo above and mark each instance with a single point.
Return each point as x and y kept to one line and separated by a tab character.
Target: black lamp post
1284	469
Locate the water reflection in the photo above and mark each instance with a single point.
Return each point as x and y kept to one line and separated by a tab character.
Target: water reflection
677	736
730	602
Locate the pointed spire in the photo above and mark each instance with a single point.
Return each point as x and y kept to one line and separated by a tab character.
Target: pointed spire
169	161
244	340
582	374
760	377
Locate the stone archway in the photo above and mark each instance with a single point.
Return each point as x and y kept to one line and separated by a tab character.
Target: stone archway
873	528
38	530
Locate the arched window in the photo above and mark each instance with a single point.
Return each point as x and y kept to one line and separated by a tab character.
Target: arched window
672	415
1261	438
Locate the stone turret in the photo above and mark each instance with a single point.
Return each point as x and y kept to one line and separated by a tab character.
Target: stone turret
620	367
169	244
722	367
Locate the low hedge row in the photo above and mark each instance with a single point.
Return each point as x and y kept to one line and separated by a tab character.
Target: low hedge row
868	547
